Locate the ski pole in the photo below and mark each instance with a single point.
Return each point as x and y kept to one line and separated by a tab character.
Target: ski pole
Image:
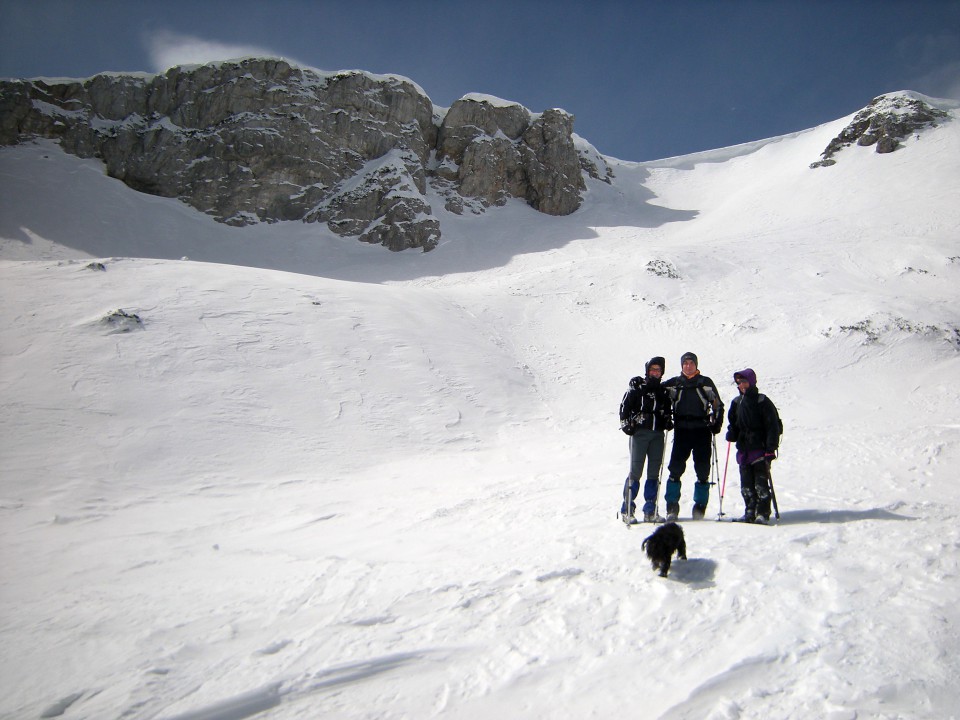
715	468
723	486
773	494
656	499
629	500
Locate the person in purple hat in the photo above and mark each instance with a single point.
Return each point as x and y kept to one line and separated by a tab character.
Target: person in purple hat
754	425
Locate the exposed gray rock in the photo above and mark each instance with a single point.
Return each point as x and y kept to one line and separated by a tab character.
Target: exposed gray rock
492	170
663	268
503	151
120	321
260	140
592	162
886	121
390	189
474	117
552	164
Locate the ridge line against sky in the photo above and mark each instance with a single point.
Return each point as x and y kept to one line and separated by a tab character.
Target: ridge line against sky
645	80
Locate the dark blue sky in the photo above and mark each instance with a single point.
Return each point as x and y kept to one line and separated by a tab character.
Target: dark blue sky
645	80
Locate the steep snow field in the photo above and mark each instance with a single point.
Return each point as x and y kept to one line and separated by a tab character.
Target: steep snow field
317	479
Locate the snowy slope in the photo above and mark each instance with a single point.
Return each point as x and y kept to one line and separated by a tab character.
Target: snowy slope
324	480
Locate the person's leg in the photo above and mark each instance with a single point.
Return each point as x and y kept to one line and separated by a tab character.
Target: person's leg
631	487
748	492
682	446
654	465
701	448
761	475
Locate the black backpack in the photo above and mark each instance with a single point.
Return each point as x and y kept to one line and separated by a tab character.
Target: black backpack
763	398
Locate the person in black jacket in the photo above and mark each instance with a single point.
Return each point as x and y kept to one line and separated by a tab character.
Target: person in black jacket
754	425
697	414
645	412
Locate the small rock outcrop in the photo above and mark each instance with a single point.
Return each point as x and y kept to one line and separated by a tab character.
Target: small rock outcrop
260	140
883	124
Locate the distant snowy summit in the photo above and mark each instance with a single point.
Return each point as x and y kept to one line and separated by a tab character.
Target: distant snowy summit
884	124
260	140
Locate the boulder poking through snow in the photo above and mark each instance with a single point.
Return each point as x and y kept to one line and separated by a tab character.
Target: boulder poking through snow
120	321
886	121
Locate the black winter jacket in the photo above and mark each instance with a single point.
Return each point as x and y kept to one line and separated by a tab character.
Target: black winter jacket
754	422
646	406
696	402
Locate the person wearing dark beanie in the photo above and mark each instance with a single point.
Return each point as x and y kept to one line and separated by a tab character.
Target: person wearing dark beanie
659	362
697	414
645	413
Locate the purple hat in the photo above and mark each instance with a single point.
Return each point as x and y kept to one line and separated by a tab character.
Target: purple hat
749	375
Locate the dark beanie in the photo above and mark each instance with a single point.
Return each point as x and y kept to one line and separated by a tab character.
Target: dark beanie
689	356
656	361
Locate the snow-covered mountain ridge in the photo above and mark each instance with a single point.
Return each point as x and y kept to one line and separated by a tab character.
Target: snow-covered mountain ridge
320	479
261	140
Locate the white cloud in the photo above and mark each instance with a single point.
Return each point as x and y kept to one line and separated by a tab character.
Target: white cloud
167	49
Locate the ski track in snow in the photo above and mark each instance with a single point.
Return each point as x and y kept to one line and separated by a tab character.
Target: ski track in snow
386	488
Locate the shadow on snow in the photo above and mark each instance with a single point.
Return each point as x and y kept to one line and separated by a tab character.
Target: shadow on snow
697	572
795	517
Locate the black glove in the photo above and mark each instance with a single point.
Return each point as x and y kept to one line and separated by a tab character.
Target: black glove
717	428
668	424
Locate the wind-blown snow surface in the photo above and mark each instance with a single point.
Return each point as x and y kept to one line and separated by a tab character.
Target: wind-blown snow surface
338	482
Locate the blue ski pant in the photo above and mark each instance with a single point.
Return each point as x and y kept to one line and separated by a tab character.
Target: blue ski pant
697	441
646	448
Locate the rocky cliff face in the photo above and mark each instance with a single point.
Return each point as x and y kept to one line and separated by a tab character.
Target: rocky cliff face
262	141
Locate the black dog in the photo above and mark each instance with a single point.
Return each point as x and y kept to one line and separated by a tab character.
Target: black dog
666	540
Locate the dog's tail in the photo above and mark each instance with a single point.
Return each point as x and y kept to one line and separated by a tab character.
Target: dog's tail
643	545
